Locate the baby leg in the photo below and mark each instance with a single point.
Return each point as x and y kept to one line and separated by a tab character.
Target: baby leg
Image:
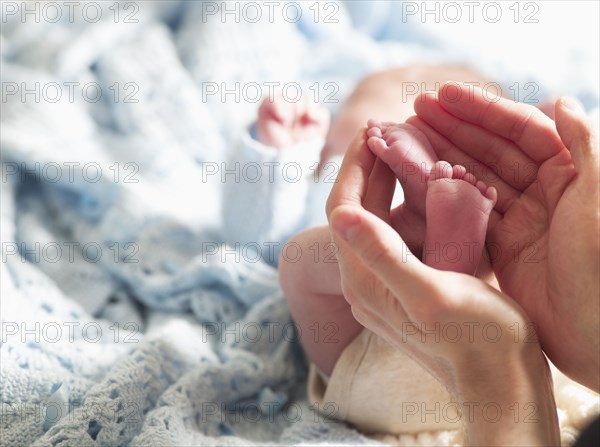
312	286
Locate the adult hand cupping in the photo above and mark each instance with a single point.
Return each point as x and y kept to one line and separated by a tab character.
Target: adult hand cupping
413	306
544	236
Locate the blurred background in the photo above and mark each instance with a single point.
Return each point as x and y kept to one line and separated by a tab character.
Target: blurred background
119	119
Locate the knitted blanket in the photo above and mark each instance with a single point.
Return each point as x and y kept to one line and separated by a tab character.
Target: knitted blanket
130	315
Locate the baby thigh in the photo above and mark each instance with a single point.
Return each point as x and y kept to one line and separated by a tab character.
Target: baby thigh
312	286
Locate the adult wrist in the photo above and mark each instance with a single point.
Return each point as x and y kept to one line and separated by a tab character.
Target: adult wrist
510	402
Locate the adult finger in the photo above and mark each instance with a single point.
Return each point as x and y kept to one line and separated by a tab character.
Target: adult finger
447	151
380	190
502	156
578	134
523	124
385	254
352	181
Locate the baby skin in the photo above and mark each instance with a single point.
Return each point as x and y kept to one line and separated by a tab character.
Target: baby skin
282	123
446	212
457	205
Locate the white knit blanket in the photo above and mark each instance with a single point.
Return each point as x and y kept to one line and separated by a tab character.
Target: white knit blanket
128	317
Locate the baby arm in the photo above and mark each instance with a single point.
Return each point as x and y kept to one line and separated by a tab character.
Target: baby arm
266	199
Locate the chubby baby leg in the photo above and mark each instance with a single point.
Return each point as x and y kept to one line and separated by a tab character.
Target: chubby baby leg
312	286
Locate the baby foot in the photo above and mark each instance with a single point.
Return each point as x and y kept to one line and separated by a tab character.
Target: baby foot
283	123
458	210
406	150
409	155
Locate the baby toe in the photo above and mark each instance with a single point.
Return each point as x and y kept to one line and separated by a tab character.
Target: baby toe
470	178
482	187
377	145
374	132
459	172
491	194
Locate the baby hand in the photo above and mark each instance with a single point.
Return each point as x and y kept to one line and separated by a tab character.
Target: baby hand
283	123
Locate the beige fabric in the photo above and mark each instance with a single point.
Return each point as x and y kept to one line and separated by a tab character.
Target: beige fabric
375	388
378	389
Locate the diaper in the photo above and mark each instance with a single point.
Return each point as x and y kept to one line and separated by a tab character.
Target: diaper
381	390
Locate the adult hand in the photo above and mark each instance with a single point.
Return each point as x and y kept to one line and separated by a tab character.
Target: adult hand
415	307
544	236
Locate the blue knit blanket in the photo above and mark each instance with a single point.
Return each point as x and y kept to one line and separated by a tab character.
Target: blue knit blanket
129	315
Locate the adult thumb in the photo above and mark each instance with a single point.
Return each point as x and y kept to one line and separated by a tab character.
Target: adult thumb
382	251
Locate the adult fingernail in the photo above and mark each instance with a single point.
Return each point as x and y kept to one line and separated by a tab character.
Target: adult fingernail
346	226
572	104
